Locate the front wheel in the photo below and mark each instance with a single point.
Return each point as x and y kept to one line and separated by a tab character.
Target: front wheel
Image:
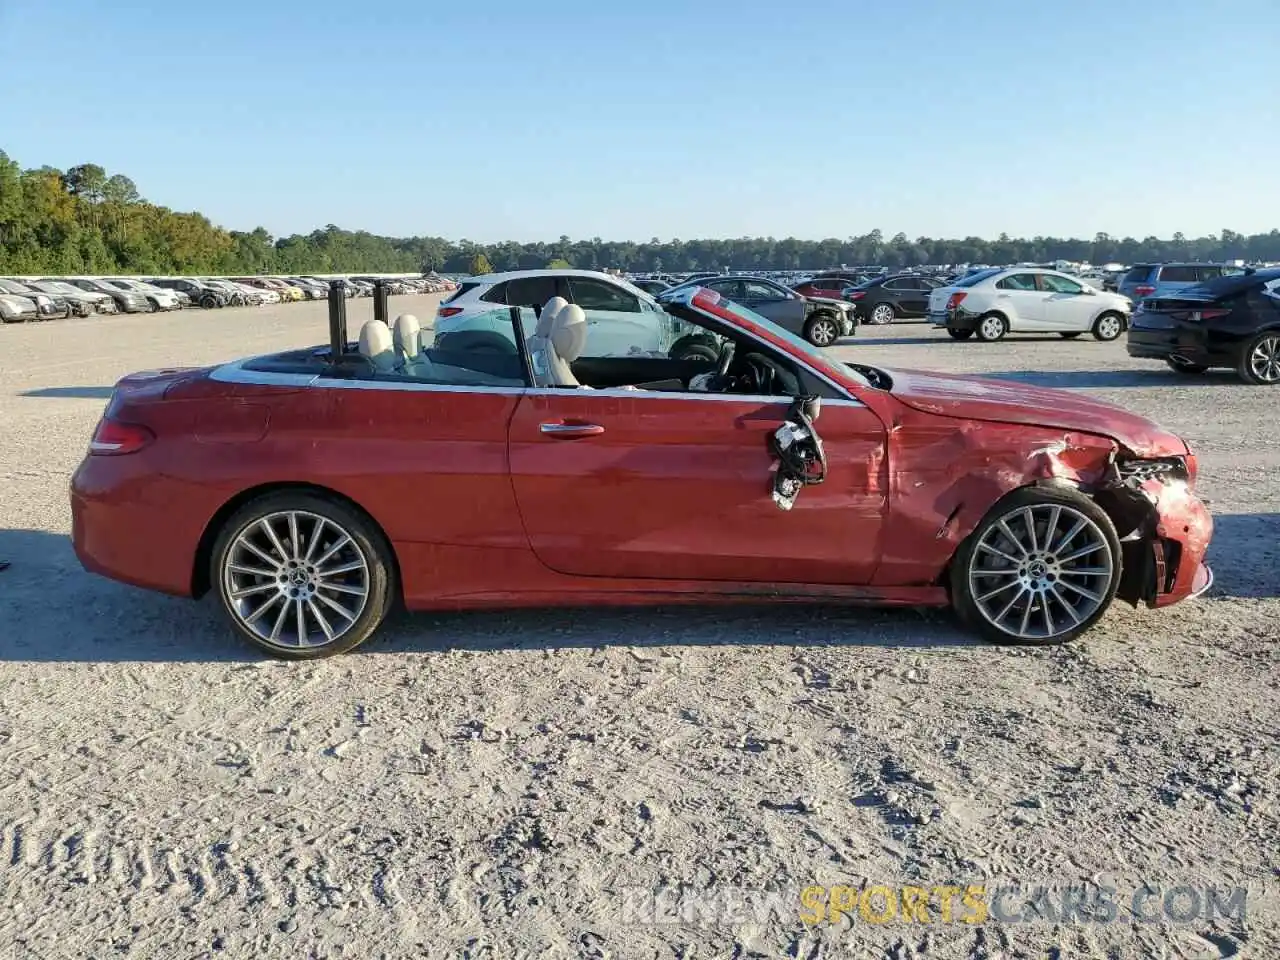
882	314
1041	568
1108	326
822	330
302	576
959	334
992	327
1260	359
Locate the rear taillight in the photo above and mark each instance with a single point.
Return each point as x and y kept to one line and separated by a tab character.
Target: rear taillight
955	300
448	311
856	294
113	438
1144	290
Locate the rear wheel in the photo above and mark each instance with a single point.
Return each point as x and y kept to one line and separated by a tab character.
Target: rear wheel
822	330
883	313
1260	359
302	576
992	327
1069	336
1041	568
1184	366
1108	326
959	334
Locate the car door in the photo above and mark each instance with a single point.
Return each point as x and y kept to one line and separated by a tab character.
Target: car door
1019	297
618	322
1068	305
677	486
915	302
903	294
784	307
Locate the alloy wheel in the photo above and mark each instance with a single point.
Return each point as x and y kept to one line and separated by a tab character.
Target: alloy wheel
823	332
882	314
1108	328
296	579
1040	571
1264	359
992	328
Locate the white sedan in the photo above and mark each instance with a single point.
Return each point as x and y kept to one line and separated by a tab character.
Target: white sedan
995	302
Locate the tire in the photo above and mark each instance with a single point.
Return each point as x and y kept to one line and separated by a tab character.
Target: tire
992	327
153	306
987	568
959	334
1108	326
1259	362
882	313
364	562
823	329
1069	336
1183	366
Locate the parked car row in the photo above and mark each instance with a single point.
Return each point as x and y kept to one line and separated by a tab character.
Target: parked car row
51	298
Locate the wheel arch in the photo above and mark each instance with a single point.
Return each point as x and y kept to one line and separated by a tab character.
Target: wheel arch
200	583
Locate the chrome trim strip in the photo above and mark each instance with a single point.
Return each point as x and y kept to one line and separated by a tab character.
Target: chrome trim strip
338	383
235	373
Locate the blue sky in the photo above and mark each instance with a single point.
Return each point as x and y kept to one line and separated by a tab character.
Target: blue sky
510	119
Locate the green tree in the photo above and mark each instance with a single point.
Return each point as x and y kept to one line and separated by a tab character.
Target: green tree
559	263
86	181
480	264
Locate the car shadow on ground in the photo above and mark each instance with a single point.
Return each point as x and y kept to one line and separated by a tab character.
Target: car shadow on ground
51	610
72	393
1154	377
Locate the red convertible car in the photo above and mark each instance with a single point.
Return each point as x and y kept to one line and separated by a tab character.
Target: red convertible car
313	489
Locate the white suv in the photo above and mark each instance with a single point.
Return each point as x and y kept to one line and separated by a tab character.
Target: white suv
994	302
621	318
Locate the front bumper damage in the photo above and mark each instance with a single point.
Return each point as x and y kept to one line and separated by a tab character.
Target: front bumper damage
1164	527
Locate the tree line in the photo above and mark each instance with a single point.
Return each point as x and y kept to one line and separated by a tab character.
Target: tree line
86	221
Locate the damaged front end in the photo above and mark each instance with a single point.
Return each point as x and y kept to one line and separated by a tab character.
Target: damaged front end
1164	528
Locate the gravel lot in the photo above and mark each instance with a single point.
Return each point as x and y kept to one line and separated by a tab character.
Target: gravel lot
502	785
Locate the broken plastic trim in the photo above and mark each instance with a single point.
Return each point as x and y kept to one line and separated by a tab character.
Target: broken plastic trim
802	461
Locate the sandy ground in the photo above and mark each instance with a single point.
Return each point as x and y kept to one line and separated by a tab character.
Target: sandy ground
520	785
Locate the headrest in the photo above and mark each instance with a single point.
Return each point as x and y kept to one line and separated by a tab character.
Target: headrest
548	315
407	335
569	332
376	343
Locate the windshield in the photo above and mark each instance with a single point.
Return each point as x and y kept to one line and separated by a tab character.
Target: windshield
8	286
814	355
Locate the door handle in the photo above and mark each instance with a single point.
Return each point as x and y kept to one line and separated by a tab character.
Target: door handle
570	431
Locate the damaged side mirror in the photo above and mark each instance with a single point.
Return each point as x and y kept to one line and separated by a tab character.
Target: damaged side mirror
797	448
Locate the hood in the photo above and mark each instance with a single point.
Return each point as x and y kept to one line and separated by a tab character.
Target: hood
17	301
1000	401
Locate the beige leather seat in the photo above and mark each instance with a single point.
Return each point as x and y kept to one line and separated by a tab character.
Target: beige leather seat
567	339
407	336
539	344
377	346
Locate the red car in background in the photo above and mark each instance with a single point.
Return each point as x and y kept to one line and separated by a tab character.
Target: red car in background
312	489
831	288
